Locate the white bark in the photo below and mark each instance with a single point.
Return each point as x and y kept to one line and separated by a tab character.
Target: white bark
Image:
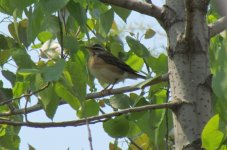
189	71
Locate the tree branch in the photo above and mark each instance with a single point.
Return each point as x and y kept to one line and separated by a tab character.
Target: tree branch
141	7
149	82
91	120
146	83
217	27
31	109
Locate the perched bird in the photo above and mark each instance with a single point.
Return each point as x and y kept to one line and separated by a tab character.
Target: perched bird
108	68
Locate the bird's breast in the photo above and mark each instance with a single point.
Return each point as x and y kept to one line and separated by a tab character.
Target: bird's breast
104	71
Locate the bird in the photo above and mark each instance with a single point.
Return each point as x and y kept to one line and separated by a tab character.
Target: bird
107	68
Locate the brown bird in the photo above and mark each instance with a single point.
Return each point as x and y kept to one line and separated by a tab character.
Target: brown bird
108	68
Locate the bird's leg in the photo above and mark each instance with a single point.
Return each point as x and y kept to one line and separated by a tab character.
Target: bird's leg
106	87
106	90
113	84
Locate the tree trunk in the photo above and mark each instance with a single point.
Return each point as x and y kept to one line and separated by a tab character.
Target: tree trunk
189	71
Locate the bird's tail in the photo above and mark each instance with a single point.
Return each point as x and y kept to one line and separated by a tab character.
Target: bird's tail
136	75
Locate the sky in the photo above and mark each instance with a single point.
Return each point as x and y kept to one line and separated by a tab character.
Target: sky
76	138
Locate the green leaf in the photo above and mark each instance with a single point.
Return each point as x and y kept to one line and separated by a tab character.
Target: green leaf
143	141
219	80
26	62
97	8
53	72
138	101
89	108
134	130
6	93
78	72
20	88
220	108
149	34
35	19
223	147
50	100
120	101
153	122
106	20
44	36
51	24
3	130
211	135
135	62
22	32
121	12
21	5
26	72
4	56
12	31
139	49
158	65
78	12
71	44
160	130
146	124
11	77
65	94
117	127
6	42
11	140
8	6
116	47
51	6
219	83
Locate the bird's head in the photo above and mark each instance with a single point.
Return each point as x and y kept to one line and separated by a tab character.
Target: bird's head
96	49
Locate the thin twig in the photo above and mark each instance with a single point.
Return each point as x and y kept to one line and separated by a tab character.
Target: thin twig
92	31
25	108
133	143
92	120
147	66
61	35
31	109
166	117
64	19
25	95
89	135
6	18
101	111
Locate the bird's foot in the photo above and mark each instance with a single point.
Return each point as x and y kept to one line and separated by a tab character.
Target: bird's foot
105	92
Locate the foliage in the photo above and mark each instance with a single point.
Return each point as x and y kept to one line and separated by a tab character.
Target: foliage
75	24
212	137
81	23
214	133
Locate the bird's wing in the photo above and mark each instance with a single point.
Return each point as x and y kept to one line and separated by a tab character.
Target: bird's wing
111	59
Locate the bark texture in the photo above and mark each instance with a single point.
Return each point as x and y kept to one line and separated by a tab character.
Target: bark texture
189	71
